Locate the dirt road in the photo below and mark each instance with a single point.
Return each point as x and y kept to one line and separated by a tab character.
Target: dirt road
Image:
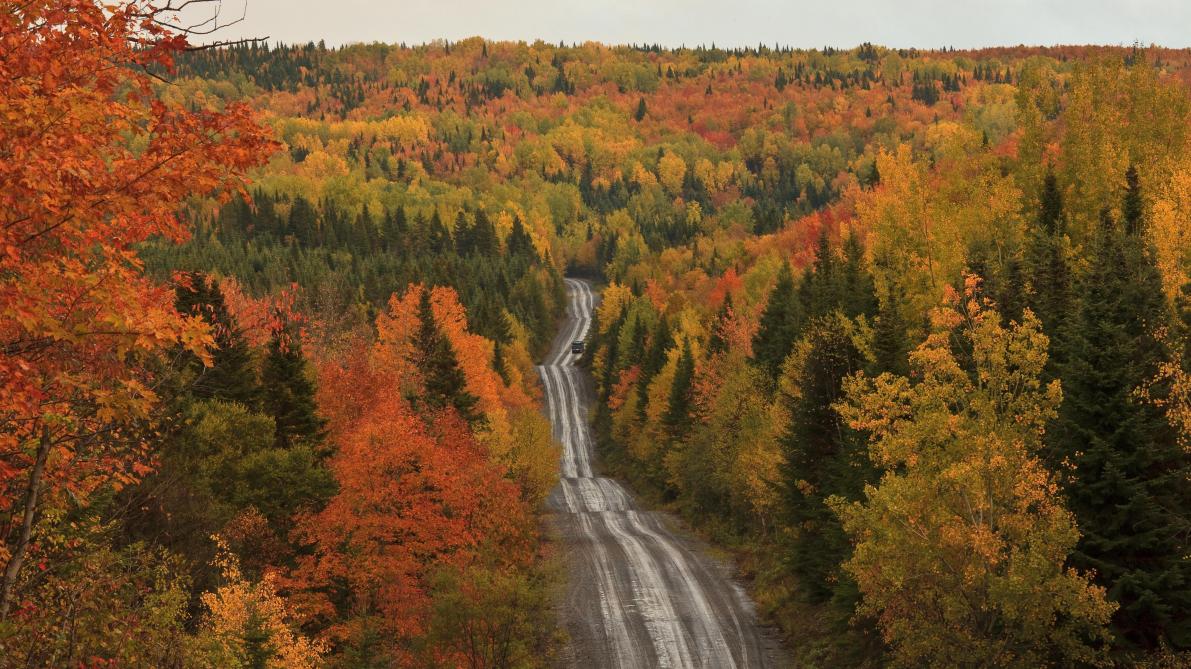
639	593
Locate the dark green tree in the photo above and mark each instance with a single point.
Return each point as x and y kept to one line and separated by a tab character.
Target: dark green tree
677	419
1126	471
289	391
891	345
823	457
655	358
232	375
641	110
781	323
1045	266
445	384
438	237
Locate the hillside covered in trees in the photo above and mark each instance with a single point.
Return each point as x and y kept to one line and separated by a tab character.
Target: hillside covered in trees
907	331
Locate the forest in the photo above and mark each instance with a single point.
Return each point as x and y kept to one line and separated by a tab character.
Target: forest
906	333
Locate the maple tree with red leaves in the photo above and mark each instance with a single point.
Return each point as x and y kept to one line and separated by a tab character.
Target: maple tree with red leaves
92	164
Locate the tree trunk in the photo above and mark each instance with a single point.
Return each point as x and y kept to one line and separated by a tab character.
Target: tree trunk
13	569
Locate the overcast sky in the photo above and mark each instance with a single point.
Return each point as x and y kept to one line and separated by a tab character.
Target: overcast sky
799	23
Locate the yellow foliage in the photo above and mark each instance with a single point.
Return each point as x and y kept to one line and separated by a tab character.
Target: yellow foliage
671	172
240	610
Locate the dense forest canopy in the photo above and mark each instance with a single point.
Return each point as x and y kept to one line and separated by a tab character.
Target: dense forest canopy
906	330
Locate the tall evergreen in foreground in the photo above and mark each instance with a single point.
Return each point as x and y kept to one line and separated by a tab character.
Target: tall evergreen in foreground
1046	269
1127	474
445	383
781	322
231	377
677	418
823	456
289	392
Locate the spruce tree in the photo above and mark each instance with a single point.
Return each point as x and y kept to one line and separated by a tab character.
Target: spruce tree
655	359
891	346
483	236
781	323
641	110
289	392
1045	266
677	419
519	243
445	384
1127	472
232	375
823	457
438	236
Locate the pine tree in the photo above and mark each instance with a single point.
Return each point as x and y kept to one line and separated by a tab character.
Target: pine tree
464	239
519	243
232	375
1127	483
445	385
820	287
641	110
781	323
891	346
289	392
677	419
823	457
858	292
1045	266
438	235
483	236
655	359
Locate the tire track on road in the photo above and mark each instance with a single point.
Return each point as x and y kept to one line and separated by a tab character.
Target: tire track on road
638	594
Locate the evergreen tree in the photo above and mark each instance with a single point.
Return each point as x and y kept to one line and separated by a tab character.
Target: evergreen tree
823	457
445	385
464	240
891	346
641	110
1131	208
519	243
677	419
655	359
483	235
1045	266
303	221
858	292
781	323
820	287
1127	483
439	238
289	392
232	374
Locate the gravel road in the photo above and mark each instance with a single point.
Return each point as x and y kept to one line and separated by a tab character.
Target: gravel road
640	591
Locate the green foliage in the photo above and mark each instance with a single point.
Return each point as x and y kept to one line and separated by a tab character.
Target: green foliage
677	418
1125	470
823	456
961	549
781	322
288	392
444	383
231	377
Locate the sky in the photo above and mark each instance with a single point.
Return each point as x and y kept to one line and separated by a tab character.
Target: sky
726	23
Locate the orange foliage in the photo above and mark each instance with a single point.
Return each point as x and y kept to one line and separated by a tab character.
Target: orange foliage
92	164
416	495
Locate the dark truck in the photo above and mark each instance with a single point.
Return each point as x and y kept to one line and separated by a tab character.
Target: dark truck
577	346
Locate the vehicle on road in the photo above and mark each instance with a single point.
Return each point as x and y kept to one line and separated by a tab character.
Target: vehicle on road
577	346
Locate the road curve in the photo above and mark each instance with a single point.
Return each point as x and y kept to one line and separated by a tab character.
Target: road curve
638	595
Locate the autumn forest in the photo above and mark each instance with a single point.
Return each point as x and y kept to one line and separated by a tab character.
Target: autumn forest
897	343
